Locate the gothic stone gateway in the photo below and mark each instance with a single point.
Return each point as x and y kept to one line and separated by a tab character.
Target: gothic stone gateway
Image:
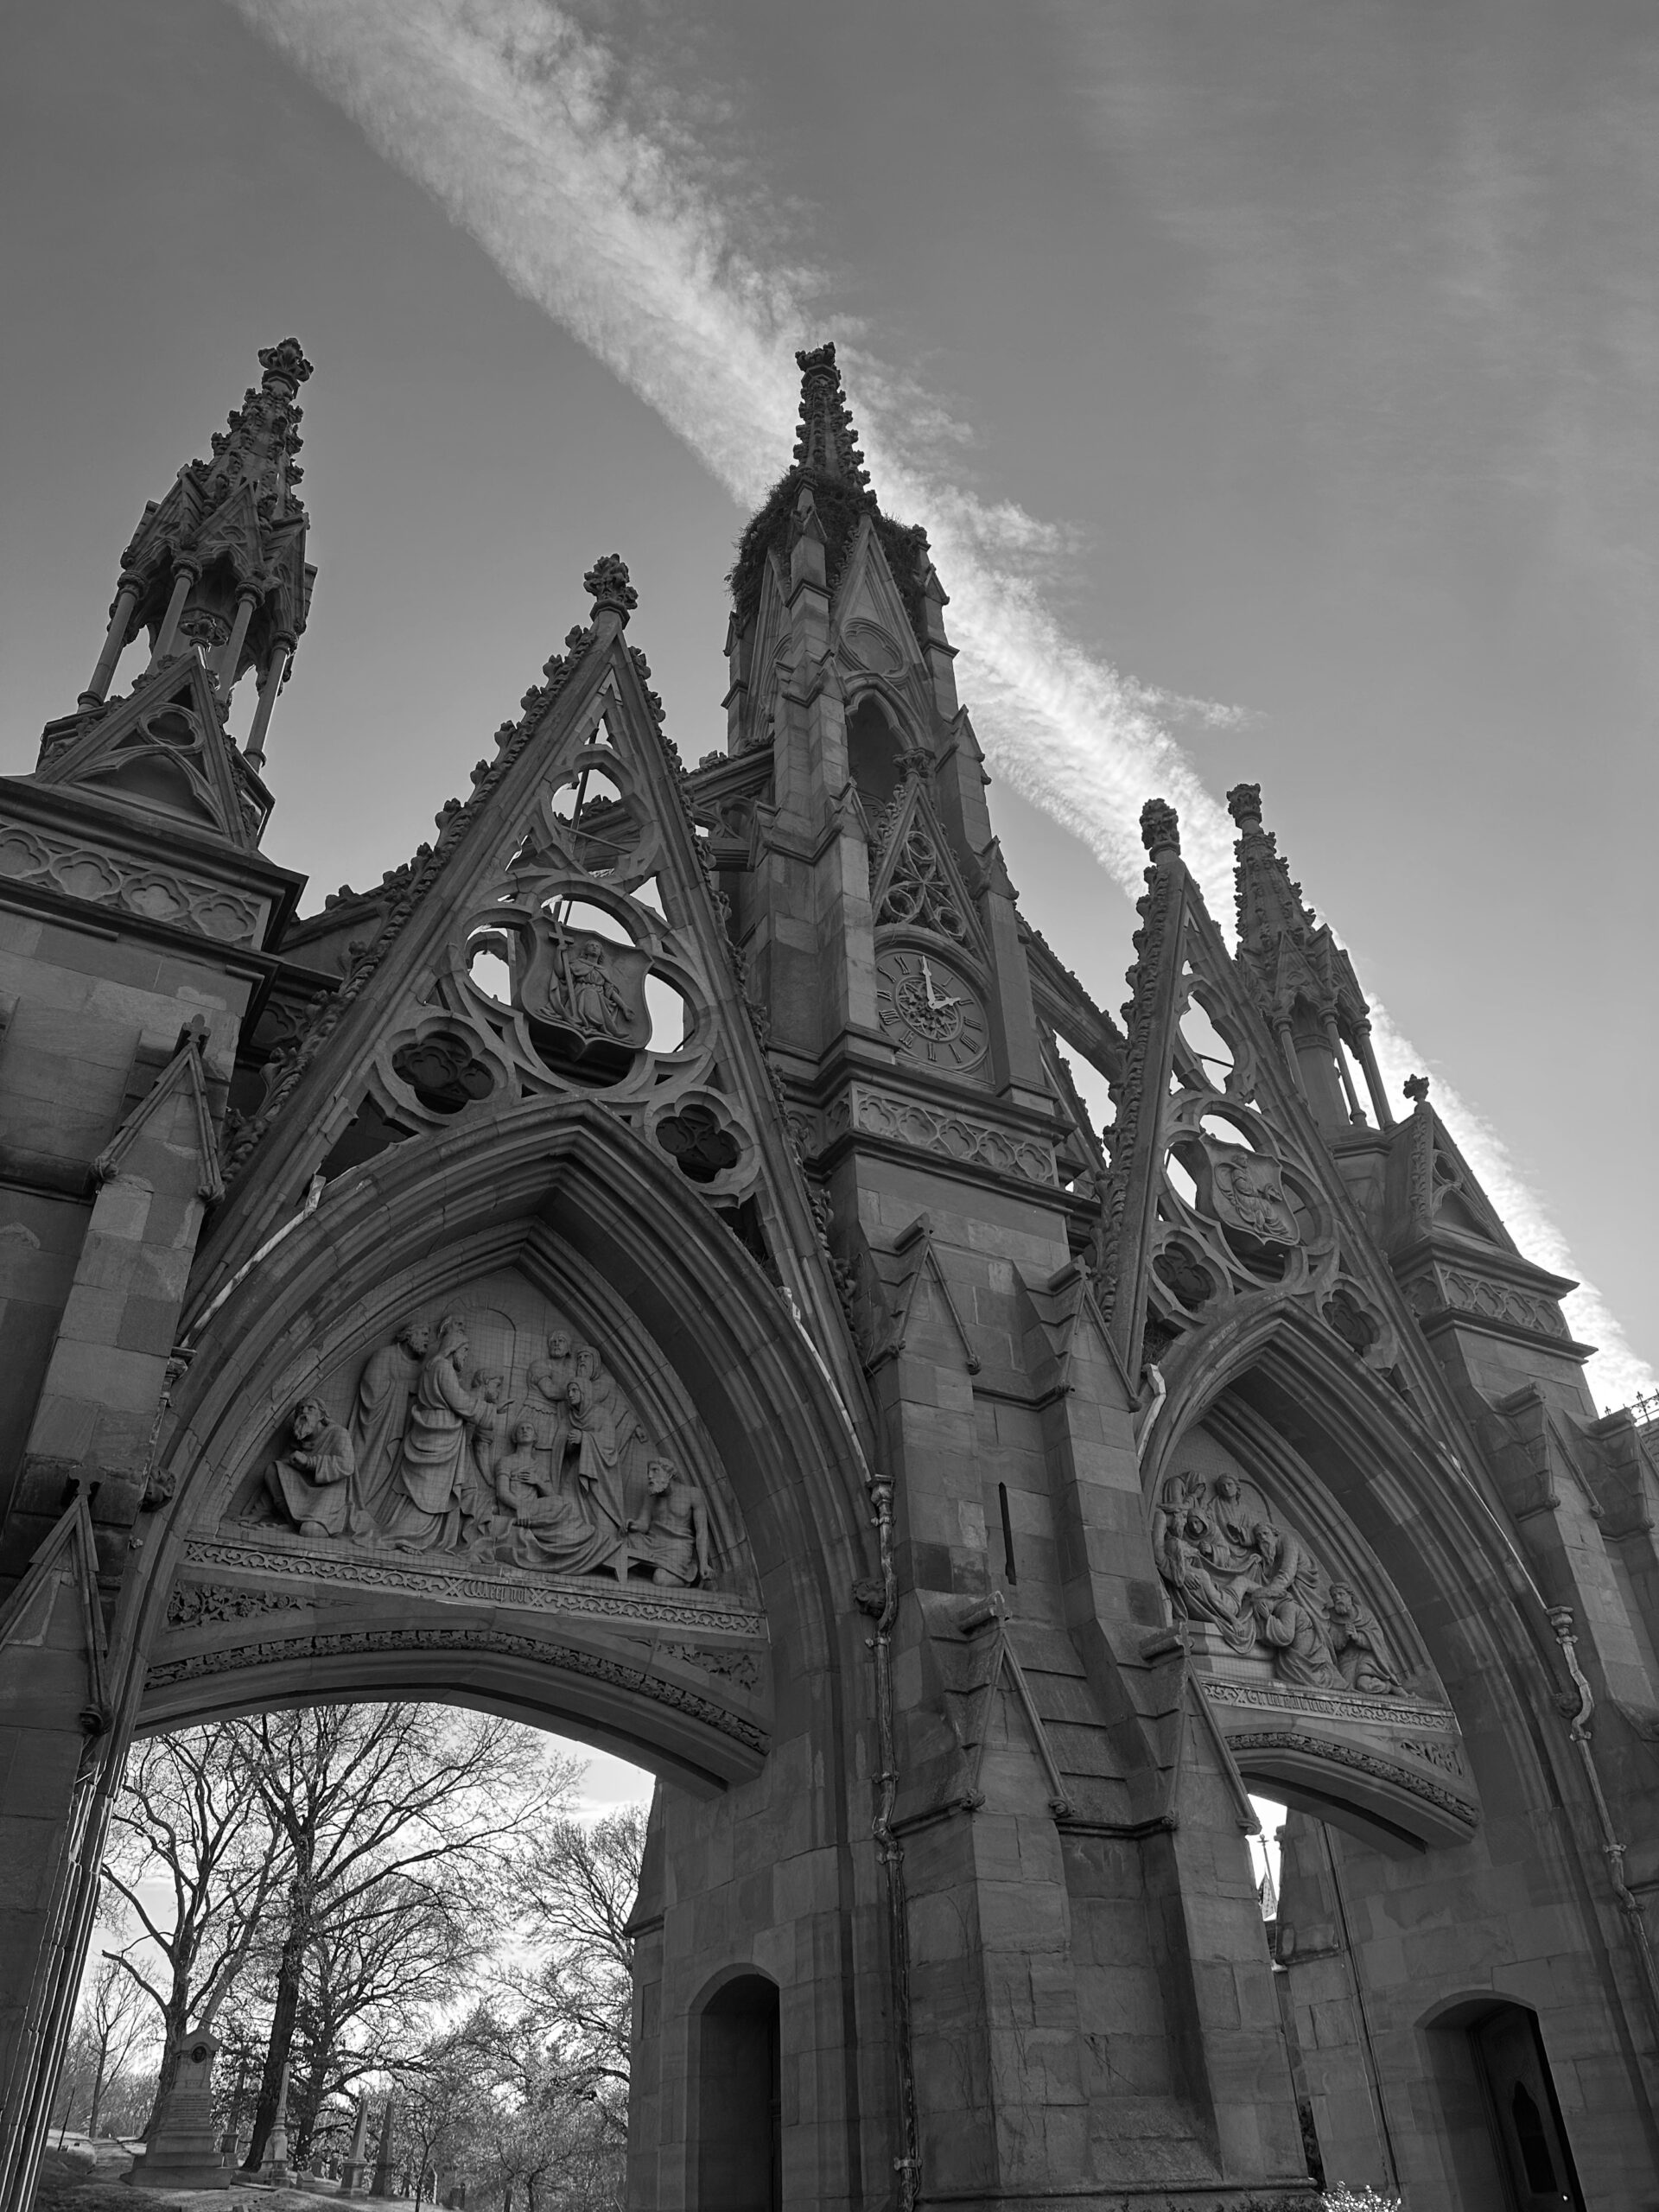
643	1267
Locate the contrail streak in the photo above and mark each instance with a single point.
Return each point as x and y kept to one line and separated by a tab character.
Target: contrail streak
507	111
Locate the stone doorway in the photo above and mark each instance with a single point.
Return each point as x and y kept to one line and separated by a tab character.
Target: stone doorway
1523	2111
739	2100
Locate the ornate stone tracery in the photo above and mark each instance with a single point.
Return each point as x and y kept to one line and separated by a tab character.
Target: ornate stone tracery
1242	1213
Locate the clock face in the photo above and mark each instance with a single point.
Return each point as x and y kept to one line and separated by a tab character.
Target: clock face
930	1012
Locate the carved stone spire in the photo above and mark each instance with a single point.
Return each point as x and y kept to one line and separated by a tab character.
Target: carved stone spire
1303	980
218	566
1268	903
826	446
819	531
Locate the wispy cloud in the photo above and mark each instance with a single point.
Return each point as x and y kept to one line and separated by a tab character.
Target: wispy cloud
602	200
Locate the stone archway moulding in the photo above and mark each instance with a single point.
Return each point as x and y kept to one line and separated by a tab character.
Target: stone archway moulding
1335	1686
582	1222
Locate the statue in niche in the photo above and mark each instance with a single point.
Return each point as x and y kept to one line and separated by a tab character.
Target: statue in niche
1228	1564
311	1483
672	1539
437	1477
1357	1645
384	1391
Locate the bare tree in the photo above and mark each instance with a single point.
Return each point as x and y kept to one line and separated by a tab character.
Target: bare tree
112	2024
190	1817
436	1802
445	2100
375	1966
580	1883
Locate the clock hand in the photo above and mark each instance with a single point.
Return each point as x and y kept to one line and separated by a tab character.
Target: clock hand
933	1004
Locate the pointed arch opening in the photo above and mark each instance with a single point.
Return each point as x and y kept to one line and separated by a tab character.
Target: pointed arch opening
874	750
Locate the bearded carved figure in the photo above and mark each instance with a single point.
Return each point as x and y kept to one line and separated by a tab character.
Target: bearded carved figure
1227	1564
310	1483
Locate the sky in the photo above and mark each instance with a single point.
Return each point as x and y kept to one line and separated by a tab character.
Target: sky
1275	382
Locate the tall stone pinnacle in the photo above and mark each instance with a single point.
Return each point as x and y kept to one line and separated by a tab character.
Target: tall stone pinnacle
826	445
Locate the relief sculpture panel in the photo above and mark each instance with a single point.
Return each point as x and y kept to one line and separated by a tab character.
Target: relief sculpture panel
1229	1564
496	1436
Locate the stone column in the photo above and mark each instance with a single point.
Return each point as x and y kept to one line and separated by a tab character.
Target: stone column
1373	1077
269	684
230	652
167	636
1355	1113
98	688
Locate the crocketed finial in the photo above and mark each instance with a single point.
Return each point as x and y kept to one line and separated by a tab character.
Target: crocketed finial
286	359
1244	804
607	581
1160	827
1416	1088
826	442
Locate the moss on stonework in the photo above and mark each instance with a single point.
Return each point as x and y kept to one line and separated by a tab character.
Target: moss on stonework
841	507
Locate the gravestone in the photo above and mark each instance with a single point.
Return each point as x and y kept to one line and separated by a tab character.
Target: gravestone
183	2150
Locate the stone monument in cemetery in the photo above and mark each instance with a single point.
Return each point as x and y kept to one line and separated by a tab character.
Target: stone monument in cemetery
645	1267
184	2150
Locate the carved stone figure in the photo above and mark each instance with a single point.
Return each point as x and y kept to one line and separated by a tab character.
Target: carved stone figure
1288	1613
549	1376
1237	1520
590	985
1357	1645
601	1427
384	1390
436	1475
673	1538
542	1523
310	1483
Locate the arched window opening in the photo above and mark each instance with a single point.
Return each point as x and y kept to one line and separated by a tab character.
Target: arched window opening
872	755
739	2098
